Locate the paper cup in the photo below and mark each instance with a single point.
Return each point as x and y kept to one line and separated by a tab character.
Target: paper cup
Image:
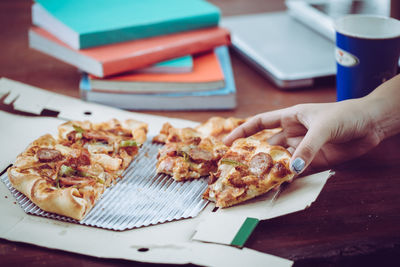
367	53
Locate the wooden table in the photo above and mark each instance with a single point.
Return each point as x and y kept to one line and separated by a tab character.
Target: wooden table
356	219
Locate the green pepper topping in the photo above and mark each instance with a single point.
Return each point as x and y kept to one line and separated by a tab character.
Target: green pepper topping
69	171
184	152
78	129
232	162
84	174
79	132
128	143
58	182
66	171
185	155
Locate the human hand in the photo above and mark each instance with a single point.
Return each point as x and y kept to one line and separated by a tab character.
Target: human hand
319	134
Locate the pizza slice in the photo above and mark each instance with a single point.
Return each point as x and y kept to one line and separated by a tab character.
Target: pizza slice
190	160
191	153
216	127
67	176
251	167
112	144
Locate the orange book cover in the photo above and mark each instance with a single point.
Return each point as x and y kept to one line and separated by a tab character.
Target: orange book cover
121	57
207	74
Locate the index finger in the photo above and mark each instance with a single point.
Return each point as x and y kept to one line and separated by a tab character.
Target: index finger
255	124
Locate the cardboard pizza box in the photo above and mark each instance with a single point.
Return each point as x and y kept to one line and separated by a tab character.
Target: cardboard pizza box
213	238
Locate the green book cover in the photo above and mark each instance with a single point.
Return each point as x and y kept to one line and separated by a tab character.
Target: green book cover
180	62
100	22
175	65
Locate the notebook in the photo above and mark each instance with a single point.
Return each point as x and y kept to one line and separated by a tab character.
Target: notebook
220	99
116	58
87	23
206	75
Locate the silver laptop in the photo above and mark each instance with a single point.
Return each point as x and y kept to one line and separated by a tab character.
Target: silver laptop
320	14
286	51
295	47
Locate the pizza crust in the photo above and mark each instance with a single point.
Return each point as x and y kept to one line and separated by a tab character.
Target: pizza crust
218	127
215	127
74	191
64	201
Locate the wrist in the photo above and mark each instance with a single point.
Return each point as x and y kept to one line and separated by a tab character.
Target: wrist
383	109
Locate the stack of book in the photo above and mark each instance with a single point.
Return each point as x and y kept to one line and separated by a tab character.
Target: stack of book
141	55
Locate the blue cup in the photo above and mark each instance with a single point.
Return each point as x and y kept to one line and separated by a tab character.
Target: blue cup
367	53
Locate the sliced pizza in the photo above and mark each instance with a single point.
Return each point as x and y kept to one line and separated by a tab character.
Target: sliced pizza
216	127
191	153
185	161
112	144
251	167
67	176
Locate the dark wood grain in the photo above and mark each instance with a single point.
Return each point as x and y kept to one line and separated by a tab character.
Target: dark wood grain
356	219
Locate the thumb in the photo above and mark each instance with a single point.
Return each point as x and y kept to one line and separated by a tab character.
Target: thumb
307	149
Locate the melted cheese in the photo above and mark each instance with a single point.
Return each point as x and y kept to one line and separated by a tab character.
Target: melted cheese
106	161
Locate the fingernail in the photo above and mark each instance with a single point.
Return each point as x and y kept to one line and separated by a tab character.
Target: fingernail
298	165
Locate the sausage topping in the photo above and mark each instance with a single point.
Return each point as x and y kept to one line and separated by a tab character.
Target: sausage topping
48	155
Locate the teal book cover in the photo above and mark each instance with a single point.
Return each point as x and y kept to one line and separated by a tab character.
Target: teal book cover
89	23
176	65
